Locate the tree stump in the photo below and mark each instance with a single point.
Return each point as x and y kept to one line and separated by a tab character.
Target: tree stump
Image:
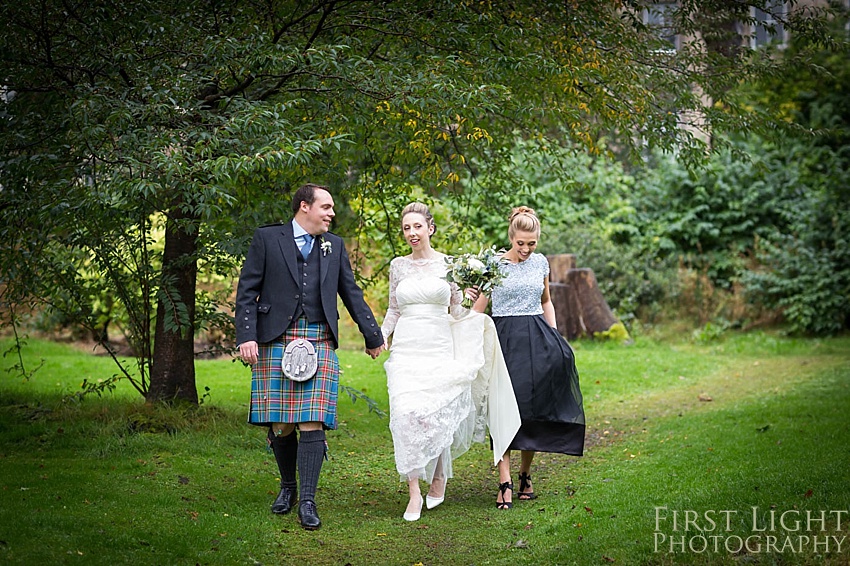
580	308
559	265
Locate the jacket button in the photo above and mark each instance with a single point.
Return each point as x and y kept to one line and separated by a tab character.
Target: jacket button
296	296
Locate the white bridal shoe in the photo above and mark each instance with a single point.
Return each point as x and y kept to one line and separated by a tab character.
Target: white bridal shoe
414	516
431	502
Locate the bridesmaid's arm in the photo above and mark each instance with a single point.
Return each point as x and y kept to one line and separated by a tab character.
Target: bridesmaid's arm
548	307
480	305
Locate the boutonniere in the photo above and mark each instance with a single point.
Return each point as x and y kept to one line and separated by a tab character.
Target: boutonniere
325	247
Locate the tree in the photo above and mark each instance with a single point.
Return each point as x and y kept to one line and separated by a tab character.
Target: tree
192	121
803	268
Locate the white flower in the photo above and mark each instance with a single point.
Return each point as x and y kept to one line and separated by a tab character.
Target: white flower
326	247
477	265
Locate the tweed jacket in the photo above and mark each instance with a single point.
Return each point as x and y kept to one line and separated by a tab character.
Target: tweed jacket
269	287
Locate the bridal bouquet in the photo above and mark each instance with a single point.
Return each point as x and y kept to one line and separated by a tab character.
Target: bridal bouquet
481	270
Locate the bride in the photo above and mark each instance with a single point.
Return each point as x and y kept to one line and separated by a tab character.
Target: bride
446	376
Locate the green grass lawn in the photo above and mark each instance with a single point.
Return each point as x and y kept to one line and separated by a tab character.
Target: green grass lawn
697	454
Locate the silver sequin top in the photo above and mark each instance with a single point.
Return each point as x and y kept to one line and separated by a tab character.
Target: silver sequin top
520	291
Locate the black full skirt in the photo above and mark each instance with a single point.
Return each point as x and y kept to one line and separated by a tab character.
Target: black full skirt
545	381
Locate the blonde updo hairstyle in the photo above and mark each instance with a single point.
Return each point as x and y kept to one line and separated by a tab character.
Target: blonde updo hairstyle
420	208
523	219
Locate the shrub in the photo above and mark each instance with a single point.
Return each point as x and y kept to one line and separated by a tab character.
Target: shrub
809	285
617	333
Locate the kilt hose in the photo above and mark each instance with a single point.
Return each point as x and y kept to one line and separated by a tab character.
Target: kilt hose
277	399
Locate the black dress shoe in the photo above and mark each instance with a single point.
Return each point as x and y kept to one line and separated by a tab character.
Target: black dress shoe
285	500
309	516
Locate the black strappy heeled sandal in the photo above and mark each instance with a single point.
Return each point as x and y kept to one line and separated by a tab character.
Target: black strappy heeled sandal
525	483
503	488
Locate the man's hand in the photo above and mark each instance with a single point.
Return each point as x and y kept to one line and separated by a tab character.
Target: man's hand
375	352
249	352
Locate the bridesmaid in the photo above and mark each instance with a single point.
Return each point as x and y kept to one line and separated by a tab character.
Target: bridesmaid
540	362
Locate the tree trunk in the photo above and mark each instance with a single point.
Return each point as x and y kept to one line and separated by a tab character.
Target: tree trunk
580	308
173	366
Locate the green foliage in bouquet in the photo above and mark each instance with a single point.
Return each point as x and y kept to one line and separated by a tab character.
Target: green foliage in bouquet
481	270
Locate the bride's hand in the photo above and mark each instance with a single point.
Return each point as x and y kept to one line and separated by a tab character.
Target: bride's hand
472	293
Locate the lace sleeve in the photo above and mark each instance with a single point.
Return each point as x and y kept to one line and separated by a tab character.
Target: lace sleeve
455	308
391	318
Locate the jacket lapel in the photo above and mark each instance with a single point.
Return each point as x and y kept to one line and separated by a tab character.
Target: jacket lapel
323	259
288	249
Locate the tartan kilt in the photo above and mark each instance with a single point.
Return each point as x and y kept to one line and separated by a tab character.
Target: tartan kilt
277	399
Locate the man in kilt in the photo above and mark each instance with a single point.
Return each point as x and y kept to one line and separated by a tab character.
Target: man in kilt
288	291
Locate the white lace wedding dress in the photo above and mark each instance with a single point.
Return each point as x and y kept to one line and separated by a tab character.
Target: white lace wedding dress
446	376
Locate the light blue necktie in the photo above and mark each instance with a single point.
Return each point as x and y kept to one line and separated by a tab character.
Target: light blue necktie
307	245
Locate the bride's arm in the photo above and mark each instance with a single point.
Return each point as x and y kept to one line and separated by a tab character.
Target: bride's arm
455	308
391	318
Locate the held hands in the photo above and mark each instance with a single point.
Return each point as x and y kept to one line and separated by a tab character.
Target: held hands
249	352
375	352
